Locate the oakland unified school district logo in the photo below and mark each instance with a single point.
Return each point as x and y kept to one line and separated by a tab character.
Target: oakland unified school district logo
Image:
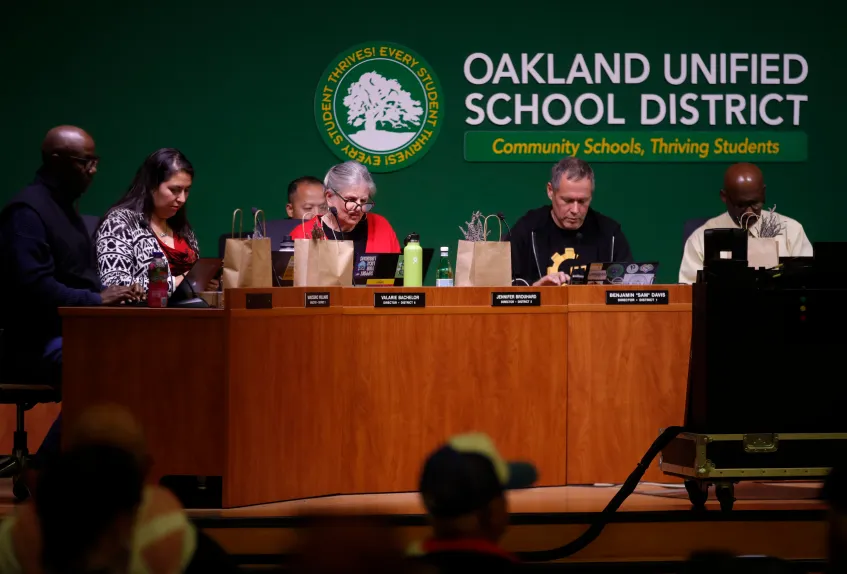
380	104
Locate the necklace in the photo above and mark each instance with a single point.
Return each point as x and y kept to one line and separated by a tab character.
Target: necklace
164	233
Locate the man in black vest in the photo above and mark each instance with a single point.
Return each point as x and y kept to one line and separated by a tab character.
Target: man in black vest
49	262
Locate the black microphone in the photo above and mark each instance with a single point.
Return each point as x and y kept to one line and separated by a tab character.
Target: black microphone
535	256
334	211
578	245
502	218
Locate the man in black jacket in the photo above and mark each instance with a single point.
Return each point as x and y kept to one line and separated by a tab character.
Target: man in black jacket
547	242
49	262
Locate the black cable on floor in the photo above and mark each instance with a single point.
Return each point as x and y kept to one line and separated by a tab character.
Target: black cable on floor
599	524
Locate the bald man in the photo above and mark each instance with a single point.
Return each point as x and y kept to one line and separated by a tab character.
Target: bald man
48	262
743	193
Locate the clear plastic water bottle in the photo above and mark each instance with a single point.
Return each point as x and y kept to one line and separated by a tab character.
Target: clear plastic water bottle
444	273
157	281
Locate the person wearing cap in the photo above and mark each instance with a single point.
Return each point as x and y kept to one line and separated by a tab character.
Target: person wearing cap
463	486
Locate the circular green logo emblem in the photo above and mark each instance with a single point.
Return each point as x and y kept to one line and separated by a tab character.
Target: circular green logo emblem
380	104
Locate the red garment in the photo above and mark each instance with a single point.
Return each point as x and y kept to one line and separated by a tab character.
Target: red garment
181	257
381	236
478	545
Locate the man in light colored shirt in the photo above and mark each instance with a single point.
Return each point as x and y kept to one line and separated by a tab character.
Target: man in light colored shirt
743	194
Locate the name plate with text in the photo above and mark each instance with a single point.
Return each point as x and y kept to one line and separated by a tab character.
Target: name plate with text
514	299
317	299
658	297
399	299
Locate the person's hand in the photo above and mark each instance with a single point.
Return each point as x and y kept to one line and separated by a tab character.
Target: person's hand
116	294
136	291
554	279
213	285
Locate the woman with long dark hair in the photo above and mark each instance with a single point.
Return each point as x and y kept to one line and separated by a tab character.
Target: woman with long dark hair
150	217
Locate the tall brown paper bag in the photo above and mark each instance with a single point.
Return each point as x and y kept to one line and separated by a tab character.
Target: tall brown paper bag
247	262
484	263
323	263
762	252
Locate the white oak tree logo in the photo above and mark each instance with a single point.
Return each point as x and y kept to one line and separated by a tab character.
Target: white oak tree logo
374	100
381	104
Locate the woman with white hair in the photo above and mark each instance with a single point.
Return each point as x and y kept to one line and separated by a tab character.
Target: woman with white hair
349	188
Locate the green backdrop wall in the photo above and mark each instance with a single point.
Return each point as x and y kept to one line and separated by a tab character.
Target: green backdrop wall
233	86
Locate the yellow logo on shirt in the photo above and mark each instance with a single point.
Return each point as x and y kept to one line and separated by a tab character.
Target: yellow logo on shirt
558	259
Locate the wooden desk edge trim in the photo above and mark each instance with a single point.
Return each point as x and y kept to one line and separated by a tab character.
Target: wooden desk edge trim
463	310
602	307
140	312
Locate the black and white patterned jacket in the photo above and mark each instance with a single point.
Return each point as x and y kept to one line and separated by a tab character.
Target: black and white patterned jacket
125	247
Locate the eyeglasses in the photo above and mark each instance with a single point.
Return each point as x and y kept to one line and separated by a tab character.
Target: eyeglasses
89	163
353	205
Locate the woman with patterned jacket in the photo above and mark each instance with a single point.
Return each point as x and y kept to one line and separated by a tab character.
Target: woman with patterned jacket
150	217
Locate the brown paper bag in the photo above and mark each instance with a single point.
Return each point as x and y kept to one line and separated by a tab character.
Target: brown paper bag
484	263
247	262
323	263
762	252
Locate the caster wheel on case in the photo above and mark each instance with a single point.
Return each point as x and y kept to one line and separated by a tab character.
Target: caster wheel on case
698	493
726	495
20	490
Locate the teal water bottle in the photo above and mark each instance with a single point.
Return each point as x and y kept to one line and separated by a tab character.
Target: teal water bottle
413	261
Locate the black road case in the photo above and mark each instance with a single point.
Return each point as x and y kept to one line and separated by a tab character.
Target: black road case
725	459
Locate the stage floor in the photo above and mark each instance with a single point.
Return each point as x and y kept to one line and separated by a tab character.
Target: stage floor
654	526
648	497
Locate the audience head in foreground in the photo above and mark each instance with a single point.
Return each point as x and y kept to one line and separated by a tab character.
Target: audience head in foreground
93	513
306	198
463	485
78	535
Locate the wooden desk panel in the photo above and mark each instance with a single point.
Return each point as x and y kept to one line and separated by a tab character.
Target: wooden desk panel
288	375
291	402
417	379
166	366
627	376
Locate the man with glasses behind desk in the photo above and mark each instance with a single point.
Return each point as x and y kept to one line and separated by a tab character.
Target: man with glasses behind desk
49	262
743	193
350	190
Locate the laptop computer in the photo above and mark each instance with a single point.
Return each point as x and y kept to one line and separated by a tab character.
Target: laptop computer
384	269
615	273
282	263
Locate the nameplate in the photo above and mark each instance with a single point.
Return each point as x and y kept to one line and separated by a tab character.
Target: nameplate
399	299
259	301
516	298
658	297
317	299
